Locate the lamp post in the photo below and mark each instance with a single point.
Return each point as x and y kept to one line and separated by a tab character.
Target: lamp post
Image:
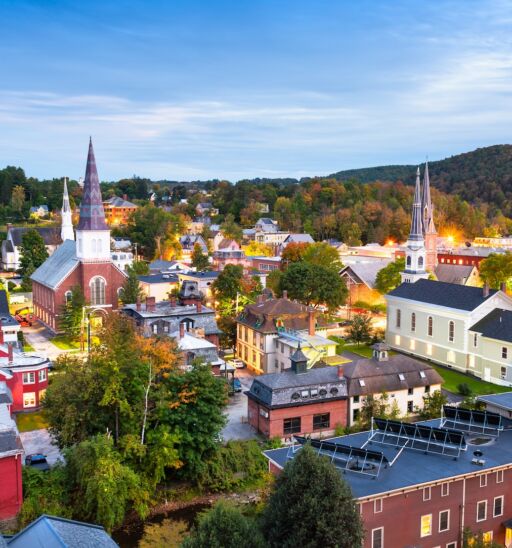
88	323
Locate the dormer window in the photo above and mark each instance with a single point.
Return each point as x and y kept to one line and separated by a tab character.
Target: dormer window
361	382
305	393
422	375
314	392
401	376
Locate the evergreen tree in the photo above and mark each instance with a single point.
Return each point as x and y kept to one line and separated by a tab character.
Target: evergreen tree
131	290
72	313
360	329
311	506
33	254
199	259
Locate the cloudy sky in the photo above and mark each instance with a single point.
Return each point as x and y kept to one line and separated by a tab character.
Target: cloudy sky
196	89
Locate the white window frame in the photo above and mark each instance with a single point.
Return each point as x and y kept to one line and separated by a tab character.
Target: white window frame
26	395
421	526
499	476
484	502
502	497
445	489
483	480
452	544
377	506
42	375
427	493
447	521
381	537
27	375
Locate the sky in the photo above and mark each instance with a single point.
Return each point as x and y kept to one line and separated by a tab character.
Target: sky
204	89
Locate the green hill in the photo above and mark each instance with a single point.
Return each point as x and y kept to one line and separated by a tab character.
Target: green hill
483	175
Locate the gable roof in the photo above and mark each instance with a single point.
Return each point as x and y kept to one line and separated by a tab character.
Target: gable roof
496	325
116	201
58	266
366	271
50	235
459	297
453	273
53	531
299	238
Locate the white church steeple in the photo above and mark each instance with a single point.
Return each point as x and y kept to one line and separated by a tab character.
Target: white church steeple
66	231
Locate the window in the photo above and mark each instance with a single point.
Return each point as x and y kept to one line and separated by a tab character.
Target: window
503	373
420	262
398	318
29	399
451	545
378	537
68	296
451	331
361	382
427	389
481	511
410	391
429	349
422	375
321	421
444	520
412	344
430	328
97	286
427	493
504	352
445	489
41	395
483	480
42	375
499	476
377	506
356	399
305	393
314	392
426	525
29	378
498	507
155	328
487	537
401	377
397	339
410	407
475	340
413	322
291	426
408	260
355	415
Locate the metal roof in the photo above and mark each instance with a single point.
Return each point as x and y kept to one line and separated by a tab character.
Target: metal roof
453	273
503	400
58	266
496	325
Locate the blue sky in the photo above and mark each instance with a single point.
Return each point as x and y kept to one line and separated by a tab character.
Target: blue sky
231	89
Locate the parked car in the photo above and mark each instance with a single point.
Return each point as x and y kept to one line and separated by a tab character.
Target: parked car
236	385
37	461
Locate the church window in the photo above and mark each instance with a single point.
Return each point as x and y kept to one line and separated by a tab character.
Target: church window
413	322
398	317
451	331
97	291
68	296
430	326
420	262
408	260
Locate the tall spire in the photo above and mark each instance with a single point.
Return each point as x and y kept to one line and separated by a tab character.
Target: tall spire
416	224
92	215
66	230
426	204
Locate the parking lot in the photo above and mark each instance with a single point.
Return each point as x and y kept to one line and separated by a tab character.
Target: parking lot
236	411
39	441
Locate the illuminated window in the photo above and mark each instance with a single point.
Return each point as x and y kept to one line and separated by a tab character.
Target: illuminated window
487	537
41	395
29	399
412	344
97	286
426	526
397	339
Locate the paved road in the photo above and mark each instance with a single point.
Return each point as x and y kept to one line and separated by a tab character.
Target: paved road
39	337
236	410
39	441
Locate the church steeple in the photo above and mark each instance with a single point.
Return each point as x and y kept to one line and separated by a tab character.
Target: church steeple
66	230
92	234
416	224
426	204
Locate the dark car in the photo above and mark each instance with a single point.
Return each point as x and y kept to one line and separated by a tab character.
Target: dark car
236	385
37	461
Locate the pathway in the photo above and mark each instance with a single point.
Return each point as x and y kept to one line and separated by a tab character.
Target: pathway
40	337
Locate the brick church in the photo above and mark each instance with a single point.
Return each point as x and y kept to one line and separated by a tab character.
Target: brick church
85	262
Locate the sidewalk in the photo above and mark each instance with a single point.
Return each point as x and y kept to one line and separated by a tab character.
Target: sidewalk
40	337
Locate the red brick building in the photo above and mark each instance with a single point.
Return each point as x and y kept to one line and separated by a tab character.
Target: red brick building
298	400
86	263
423	493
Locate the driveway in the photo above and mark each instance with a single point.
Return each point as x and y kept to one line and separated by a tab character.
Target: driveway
40	337
39	441
237	427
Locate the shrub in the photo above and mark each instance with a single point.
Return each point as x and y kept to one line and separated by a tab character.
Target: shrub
464	389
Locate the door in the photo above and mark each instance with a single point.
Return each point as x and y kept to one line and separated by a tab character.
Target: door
487	374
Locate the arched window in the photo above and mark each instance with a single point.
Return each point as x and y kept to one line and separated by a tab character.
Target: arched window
97	286
398	317
451	331
430	326
408	260
413	322
68	296
420	262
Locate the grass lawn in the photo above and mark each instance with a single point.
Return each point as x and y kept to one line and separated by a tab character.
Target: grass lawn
65	343
30	421
453	378
363	350
28	347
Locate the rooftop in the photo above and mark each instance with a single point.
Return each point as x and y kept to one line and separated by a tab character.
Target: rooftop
453	273
160	278
460	297
58	265
116	201
366	271
496	325
413	467
166	308
207	274
503	400
50	235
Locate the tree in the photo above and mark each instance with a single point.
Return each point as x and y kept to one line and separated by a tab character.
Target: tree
33	254
258	249
497	268
389	277
71	320
228	282
323	254
131	290
224	526
374	406
199	259
227	324
472	540
18	198
314	285
140	268
231	229
310	506
432	405
360	329
293	253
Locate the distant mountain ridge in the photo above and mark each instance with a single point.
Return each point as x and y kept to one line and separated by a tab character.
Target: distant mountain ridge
482	175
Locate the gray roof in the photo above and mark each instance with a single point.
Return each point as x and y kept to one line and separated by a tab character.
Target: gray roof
50	531
503	400
413	468
266	221
159	278
9	442
58	266
453	273
366	271
50	235
383	376
284	389
460	297
299	238
496	325
206	274
116	201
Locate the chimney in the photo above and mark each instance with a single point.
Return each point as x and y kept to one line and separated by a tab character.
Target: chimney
285	294
199	306
182	330
150	304
138	304
503	287
311	322
11	353
340	371
485	290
